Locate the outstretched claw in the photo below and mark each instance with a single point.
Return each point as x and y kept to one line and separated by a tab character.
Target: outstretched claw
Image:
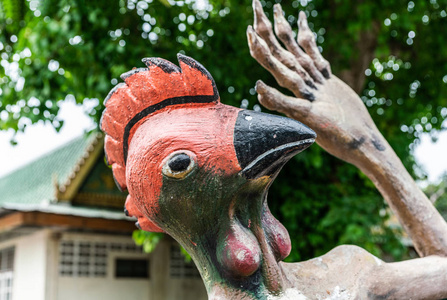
331	99
283	75
263	28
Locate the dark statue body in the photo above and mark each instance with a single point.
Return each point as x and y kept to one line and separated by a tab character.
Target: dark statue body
200	171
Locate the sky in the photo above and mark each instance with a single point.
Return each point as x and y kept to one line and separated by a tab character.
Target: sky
433	156
41	138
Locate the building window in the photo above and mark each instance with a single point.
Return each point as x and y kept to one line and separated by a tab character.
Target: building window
179	268
88	259
131	268
6	273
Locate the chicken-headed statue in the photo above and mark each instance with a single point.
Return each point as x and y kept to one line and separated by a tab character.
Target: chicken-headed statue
200	171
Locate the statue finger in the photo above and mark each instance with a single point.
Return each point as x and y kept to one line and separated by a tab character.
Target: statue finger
284	33
306	39
273	99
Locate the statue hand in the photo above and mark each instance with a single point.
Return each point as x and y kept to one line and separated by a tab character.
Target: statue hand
322	101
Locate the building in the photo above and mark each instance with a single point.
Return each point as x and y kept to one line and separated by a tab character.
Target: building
64	236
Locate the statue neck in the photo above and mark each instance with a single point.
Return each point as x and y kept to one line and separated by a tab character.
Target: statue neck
240	252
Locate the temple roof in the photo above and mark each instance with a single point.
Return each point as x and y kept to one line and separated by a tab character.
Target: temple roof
68	180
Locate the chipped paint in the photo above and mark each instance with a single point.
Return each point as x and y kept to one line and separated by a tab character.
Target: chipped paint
289	294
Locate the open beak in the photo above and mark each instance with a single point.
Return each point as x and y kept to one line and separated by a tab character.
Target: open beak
264	143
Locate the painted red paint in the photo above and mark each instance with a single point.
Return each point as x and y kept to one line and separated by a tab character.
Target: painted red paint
205	130
239	252
277	235
144	222
173	146
143	89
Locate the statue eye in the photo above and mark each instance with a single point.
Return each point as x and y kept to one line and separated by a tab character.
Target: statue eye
179	164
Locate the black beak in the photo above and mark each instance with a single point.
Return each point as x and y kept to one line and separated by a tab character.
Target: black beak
264	143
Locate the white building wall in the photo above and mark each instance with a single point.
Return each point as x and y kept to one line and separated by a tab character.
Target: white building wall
108	287
36	274
95	289
164	287
29	265
160	285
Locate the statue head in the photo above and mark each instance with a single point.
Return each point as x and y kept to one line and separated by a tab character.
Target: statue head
197	169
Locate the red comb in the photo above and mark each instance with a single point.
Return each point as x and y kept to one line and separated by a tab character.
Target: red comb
144	92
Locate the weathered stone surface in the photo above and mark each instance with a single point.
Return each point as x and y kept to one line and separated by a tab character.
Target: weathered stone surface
200	171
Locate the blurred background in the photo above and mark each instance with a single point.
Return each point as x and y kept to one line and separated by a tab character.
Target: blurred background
59	59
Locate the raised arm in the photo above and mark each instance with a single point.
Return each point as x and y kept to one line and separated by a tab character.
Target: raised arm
340	119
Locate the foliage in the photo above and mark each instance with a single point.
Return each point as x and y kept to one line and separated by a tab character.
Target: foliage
149	240
437	195
441	205
51	50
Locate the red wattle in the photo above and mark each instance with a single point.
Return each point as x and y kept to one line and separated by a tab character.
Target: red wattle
239	252
277	236
144	223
